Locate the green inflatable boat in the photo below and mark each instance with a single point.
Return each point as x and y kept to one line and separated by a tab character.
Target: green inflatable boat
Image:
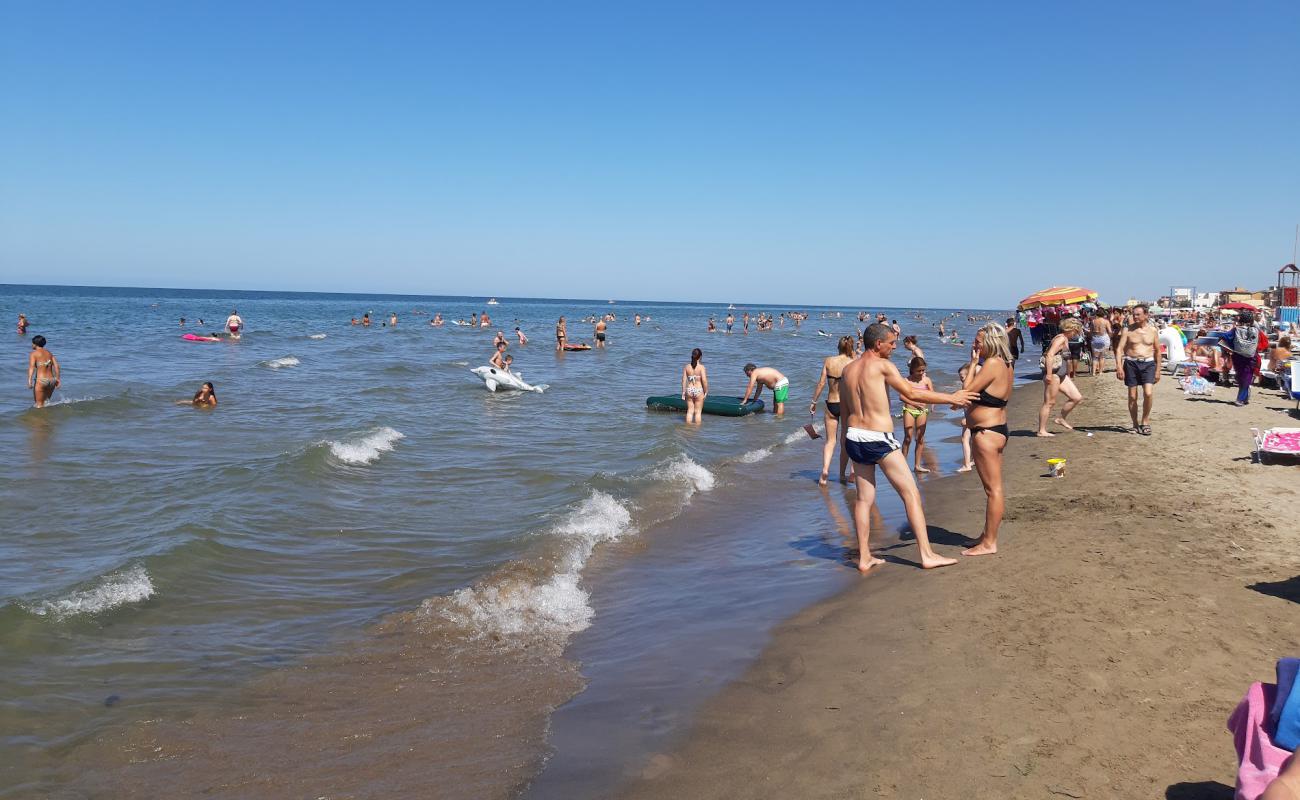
723	406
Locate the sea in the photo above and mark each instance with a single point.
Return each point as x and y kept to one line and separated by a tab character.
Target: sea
364	574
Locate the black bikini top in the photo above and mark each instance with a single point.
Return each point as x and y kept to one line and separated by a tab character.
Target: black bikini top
988	400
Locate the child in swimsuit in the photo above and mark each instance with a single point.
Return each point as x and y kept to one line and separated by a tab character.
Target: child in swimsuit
915	416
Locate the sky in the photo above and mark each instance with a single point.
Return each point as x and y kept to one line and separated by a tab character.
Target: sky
860	154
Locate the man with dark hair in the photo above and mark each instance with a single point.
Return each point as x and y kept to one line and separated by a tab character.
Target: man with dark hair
1139	365
1015	339
772	379
869	438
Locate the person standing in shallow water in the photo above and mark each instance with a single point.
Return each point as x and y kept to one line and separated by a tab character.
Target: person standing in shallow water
695	386
832	371
43	372
869	439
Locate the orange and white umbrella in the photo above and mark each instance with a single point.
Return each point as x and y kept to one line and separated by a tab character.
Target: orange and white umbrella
1058	296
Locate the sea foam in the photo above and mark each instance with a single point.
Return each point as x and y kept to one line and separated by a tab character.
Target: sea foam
280	363
316	336
512	605
697	477
131	585
754	456
367	448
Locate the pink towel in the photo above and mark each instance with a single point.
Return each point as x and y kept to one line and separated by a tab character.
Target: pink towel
1282	442
1260	759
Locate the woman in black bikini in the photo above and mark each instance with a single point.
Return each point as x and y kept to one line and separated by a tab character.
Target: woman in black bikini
986	418
832	370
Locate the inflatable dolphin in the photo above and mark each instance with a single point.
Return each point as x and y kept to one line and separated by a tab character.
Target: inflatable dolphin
494	379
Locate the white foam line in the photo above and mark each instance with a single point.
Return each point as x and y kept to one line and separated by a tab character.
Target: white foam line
367	448
131	585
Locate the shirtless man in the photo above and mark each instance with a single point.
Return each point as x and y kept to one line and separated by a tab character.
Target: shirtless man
600	334
731	320
1099	332
869	439
234	324
1140	366
498	359
766	376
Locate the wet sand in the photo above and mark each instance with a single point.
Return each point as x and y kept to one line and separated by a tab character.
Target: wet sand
1097	655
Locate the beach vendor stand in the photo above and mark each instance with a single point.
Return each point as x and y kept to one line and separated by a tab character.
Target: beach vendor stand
1051	304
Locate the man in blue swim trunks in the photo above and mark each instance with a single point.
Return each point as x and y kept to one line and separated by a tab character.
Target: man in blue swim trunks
869	438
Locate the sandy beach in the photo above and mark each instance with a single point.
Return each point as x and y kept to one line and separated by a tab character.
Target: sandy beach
1097	655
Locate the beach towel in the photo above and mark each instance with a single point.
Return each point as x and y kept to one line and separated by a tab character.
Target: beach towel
1258	758
1287	733
1286	673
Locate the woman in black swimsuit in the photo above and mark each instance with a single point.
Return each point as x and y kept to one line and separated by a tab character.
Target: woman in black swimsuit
832	370
987	420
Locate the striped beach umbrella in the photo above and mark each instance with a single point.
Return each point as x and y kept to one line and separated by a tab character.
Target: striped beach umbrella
1058	296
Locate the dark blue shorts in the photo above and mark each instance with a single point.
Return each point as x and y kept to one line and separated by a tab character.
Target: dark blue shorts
869	447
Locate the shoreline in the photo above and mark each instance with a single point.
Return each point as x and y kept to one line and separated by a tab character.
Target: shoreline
1098	654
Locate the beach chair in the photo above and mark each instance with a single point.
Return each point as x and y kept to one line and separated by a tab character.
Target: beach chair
1291	380
1281	442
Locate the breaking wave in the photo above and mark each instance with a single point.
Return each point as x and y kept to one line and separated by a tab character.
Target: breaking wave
367	448
131	585
280	363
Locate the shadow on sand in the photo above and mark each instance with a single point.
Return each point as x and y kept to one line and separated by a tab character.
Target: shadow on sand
1288	589
1200	790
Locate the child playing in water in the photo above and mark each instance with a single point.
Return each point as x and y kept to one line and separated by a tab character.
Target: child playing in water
916	415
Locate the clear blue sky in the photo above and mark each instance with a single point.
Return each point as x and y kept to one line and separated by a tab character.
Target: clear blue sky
957	154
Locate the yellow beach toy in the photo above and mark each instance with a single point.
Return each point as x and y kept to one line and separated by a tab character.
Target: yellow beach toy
1058	467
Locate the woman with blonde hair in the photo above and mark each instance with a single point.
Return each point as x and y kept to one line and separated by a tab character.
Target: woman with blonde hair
986	419
832	369
1056	377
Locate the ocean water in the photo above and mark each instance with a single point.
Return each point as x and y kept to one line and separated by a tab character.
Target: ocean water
359	514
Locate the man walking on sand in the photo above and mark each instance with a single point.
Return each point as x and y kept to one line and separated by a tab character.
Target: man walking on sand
1139	365
869	439
766	376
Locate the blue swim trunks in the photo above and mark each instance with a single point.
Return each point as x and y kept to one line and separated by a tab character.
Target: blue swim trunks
869	447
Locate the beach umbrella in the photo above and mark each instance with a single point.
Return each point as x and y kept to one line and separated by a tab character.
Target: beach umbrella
1057	296
1237	307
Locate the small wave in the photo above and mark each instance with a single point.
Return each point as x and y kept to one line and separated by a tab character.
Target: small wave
131	585
682	468
461	363
367	448
316	336
514	605
754	456
280	363
801	435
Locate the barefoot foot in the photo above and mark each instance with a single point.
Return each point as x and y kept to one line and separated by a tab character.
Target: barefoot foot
1044	434
981	549
821	481
871	561
1061	421
920	470
936	561
966	468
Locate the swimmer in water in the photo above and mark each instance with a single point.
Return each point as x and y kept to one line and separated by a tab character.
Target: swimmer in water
22	324
437	320
43	373
499	357
520	334
234	324
206	396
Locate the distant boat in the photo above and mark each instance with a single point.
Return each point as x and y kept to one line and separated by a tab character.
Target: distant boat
611	302
493	302
730	307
